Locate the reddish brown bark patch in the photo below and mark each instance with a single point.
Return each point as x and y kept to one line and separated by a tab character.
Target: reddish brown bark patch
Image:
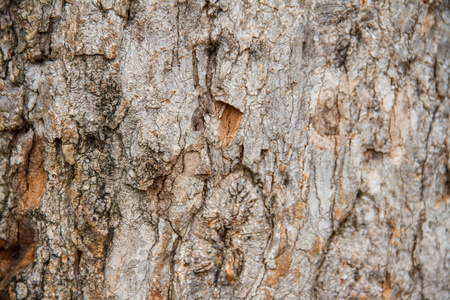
386	288
155	294
317	248
283	264
17	254
427	24
326	118
230	121
282	261
230	274
299	210
36	178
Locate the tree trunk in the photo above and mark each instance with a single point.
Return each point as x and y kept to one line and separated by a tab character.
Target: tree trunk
224	149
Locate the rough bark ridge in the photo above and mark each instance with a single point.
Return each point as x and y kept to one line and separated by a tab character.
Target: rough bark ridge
224	149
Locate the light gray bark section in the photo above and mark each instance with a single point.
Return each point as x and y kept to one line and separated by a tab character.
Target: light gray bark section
224	149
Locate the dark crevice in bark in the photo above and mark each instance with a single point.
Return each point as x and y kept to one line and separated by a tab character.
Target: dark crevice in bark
171	289
108	242
77	274
195	76
212	49
341	50
132	11
418	235
334	234
335	177
175	52
161	189
4	295
206	97
155	226
198	121
268	203
104	11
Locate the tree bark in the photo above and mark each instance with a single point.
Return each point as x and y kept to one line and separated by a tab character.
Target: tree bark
224	149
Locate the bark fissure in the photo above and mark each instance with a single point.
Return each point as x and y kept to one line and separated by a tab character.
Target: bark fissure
77	274
218	149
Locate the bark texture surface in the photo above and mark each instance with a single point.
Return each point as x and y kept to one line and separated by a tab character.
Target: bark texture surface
224	149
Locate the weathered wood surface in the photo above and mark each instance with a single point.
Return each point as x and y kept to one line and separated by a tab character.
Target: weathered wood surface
224	149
